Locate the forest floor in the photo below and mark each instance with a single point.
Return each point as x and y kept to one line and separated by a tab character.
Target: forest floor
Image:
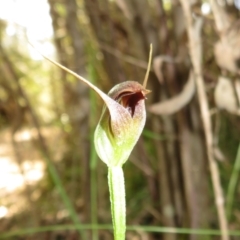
22	167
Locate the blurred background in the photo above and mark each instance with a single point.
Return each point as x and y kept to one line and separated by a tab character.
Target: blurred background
51	181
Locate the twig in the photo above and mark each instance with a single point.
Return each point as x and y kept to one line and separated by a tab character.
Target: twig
124	57
177	102
195	53
221	19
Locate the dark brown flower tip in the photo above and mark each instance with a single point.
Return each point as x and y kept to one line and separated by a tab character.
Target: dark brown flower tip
129	94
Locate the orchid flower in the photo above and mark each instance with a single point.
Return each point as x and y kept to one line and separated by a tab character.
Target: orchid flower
119	128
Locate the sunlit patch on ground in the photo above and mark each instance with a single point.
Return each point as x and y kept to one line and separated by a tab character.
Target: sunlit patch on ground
3	211
16	176
12	177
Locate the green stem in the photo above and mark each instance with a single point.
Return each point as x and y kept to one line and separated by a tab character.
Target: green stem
117	198
93	155
233	184
67	202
